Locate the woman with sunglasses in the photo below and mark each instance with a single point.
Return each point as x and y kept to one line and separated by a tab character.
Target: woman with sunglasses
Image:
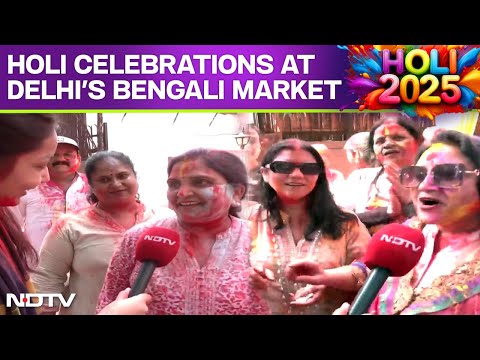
298	219
375	194
445	188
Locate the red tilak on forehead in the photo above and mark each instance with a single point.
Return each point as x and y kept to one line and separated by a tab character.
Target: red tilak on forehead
186	166
389	129
389	126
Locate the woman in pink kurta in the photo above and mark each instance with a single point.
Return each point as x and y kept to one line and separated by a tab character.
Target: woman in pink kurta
219	287
209	274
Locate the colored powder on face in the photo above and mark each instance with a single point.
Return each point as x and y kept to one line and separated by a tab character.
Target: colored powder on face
185	166
433	151
214	197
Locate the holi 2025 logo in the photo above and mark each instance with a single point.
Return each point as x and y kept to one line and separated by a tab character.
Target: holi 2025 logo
422	80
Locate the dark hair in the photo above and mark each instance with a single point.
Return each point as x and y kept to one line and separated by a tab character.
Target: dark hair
468	146
228	165
326	215
401	119
20	134
92	162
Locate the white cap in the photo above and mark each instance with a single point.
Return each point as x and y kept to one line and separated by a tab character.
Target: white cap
67	140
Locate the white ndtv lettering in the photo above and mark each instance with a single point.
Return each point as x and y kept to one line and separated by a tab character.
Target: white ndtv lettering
160	239
37	300
395	240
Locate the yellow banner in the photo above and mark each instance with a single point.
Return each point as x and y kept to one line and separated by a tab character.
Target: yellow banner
464	122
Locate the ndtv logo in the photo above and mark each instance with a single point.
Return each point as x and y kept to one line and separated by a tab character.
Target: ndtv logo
37	300
160	239
395	240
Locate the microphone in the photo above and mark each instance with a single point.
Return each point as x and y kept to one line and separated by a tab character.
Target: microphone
393	250
156	247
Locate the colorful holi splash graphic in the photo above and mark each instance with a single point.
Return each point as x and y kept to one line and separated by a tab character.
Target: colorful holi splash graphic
420	80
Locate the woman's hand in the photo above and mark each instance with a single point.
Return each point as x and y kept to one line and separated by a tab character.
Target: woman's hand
123	305
306	271
262	277
307	295
393	175
395	206
342	310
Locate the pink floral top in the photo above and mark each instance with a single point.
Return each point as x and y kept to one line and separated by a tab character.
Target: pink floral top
445	283
182	287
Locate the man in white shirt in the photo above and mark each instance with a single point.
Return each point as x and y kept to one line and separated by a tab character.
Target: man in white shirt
66	191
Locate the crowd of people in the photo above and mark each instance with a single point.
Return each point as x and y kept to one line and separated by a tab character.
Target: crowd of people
27	144
81	243
281	232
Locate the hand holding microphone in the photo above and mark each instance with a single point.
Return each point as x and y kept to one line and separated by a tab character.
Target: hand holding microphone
124	305
392	251
156	247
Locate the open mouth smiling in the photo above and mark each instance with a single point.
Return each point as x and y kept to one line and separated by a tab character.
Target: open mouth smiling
428	202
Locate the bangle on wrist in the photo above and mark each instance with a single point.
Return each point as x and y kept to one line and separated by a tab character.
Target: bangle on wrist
361	266
357	277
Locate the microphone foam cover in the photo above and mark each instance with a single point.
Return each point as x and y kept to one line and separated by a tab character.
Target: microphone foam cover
157	244
395	247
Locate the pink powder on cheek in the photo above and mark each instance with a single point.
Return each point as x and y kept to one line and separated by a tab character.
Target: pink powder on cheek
465	211
223	195
412	149
214	197
209	193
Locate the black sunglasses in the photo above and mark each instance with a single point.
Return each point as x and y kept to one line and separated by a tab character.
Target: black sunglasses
285	167
444	175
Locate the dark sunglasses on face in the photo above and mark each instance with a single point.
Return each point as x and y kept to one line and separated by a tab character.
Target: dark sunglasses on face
444	175
285	167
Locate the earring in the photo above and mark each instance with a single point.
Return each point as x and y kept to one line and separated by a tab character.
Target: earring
137	197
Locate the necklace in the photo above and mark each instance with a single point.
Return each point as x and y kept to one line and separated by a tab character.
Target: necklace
284	251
